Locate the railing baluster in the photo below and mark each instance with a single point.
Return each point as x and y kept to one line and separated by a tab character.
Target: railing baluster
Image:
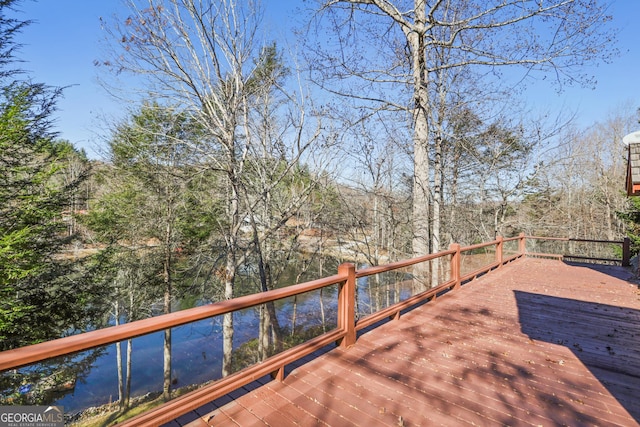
626	252
347	304
455	264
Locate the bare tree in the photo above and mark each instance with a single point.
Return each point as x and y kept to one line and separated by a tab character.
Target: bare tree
375	203
386	51
277	183
204	58
579	190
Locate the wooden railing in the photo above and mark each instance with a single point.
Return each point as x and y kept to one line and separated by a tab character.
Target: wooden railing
581	250
459	263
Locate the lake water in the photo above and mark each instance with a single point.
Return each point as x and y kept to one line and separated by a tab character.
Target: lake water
197	347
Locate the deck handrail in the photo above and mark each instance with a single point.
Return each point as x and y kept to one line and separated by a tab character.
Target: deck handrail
347	325
22	356
625	244
344	333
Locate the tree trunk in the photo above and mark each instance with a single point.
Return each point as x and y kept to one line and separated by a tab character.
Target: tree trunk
227	320
421	180
421	186
294	313
166	388
119	360
270	326
263	333
437	206
127	391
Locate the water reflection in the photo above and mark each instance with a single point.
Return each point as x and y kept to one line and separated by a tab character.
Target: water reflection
197	347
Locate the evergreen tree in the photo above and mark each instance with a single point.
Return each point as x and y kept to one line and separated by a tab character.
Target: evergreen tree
631	217
42	295
151	213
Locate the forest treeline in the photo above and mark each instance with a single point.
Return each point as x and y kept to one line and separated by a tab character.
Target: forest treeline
234	157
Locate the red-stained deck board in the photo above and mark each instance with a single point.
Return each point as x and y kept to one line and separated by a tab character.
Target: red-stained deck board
407	394
535	343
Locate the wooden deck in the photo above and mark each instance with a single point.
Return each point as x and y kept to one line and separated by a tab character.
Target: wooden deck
537	342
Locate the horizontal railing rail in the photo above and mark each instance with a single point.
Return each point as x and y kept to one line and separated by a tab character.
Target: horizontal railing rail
604	254
23	356
394	310
482	258
19	357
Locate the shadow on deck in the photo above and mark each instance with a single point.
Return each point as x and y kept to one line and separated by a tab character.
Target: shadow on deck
537	342
603	337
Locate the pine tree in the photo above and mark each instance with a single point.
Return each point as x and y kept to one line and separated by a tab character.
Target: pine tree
42	295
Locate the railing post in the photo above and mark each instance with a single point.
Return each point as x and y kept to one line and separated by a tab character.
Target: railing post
455	264
626	252
499	248
522	244
347	304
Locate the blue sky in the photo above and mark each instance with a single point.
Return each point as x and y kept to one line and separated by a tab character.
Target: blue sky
60	48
